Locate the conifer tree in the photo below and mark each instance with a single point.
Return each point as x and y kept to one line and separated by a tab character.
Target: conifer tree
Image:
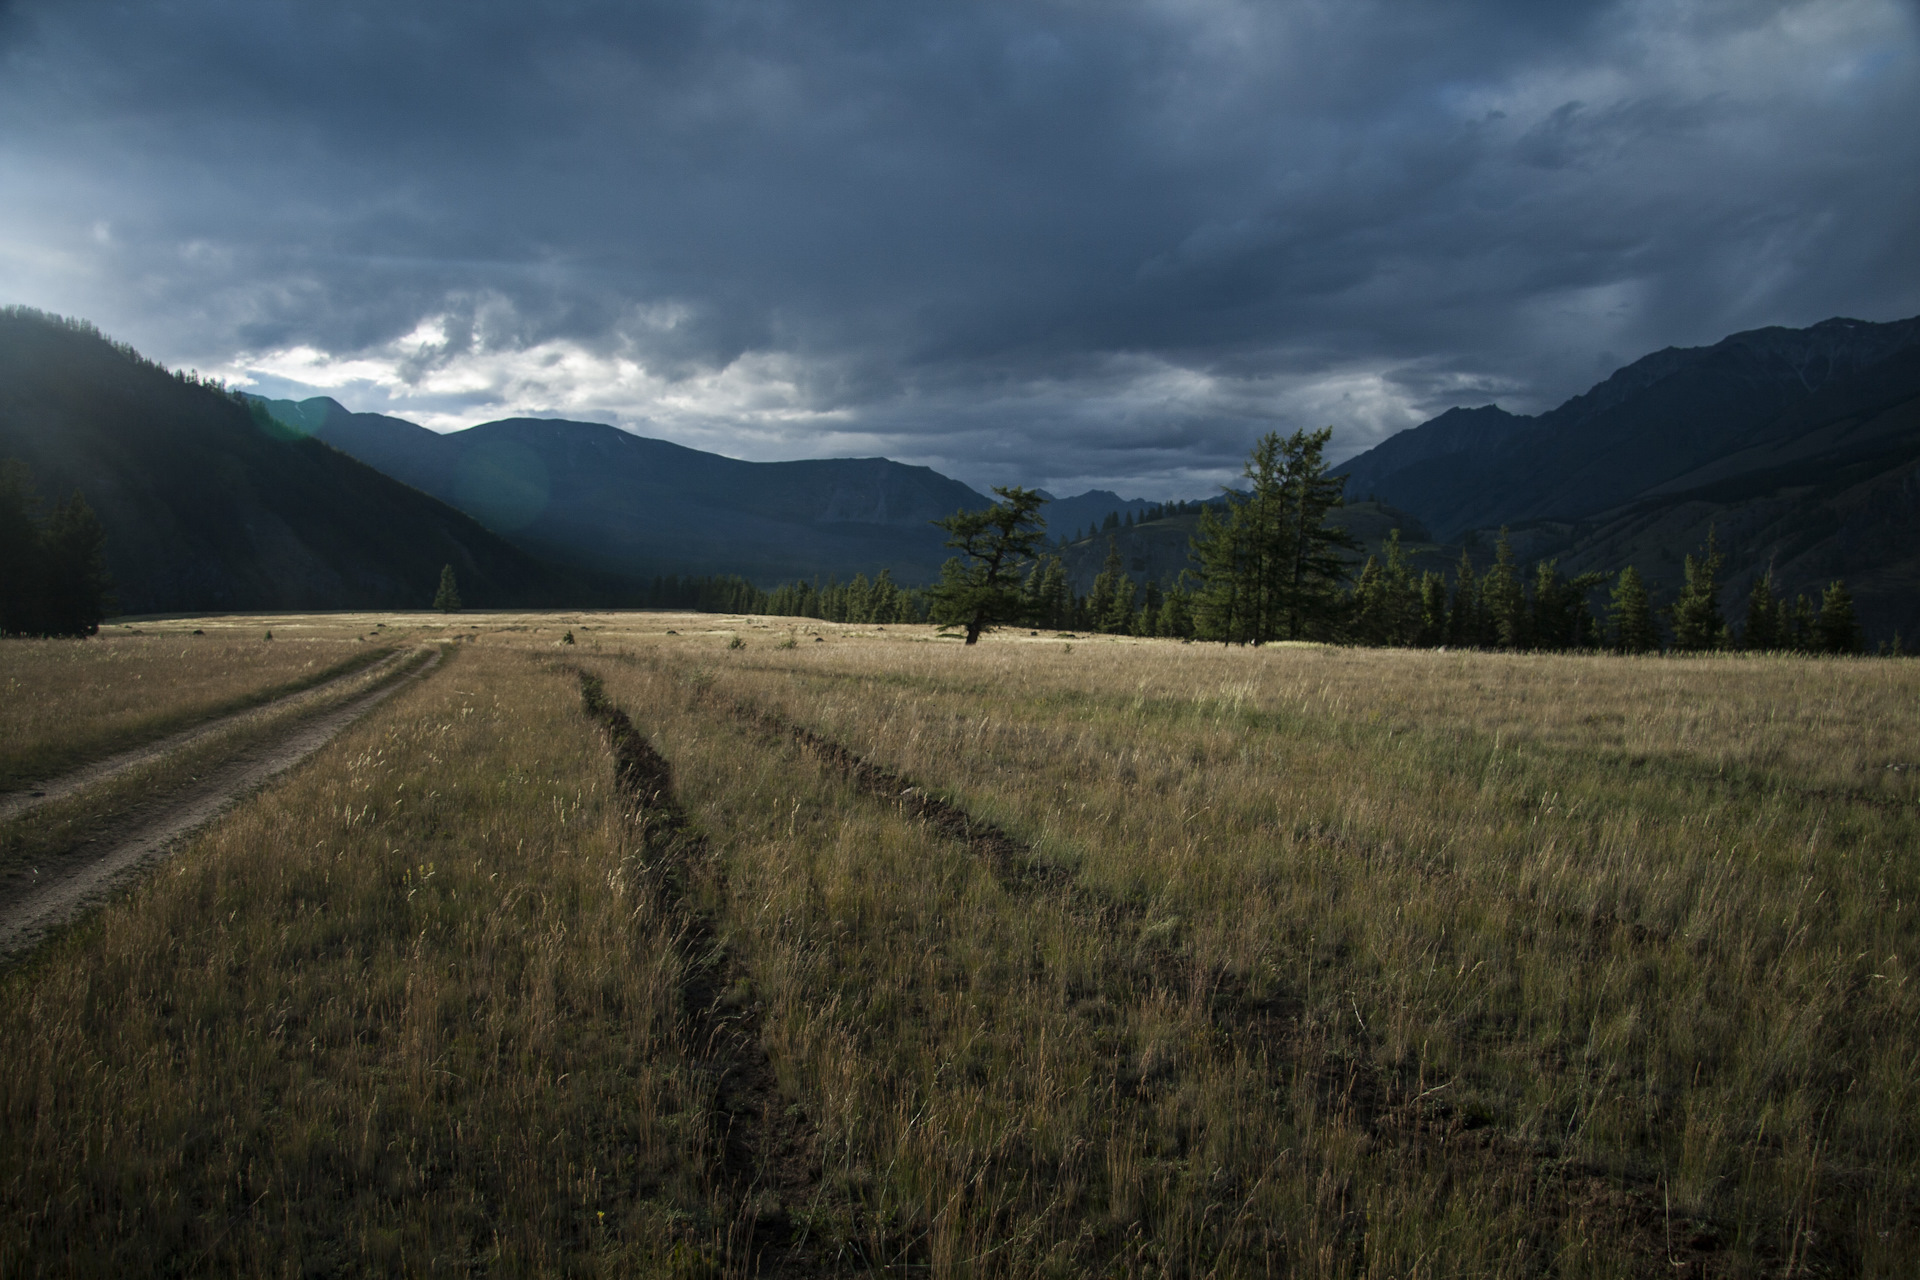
859	599
447	599
1271	570
1503	598
1056	598
982	591
886	598
74	577
1838	630
1106	588
1433	610
1697	622
1630	615
1032	608
1561	617
1224	551
1148	615
1797	625
1313	569
20	562
1176	615
1463	619
1118	620
1763	615
1402	591
1387	604
1372	622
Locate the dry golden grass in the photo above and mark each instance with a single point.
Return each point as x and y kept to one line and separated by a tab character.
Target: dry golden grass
62	829
71	701
1636	932
1327	963
406	1012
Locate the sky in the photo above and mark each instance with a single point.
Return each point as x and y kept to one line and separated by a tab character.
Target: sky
1060	243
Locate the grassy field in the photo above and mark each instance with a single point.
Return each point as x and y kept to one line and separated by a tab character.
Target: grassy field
59	830
1046	957
69	702
401	1013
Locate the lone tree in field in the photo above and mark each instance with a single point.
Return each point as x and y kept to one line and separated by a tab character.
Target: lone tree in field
983	590
447	599
1272	569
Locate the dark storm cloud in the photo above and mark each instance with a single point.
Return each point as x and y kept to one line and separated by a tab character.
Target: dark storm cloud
1057	243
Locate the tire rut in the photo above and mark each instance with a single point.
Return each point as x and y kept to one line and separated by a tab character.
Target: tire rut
1392	1112
767	1149
33	795
153	829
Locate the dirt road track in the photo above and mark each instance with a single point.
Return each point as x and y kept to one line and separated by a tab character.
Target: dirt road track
15	803
148	831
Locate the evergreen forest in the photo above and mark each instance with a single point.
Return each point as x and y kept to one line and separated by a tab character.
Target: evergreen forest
53	566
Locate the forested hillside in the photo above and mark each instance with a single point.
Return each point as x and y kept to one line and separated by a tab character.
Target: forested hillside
597	496
209	505
1800	448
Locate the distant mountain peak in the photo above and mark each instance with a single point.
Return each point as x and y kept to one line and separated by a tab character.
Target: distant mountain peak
1800	442
1654	419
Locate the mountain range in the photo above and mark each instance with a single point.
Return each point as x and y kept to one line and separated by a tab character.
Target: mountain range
210	505
1798	448
594	495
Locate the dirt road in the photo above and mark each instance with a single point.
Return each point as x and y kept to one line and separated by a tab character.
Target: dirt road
15	803
148	832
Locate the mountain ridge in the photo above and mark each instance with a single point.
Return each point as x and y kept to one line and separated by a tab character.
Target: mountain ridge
593	494
598	495
1799	449
208	506
1654	419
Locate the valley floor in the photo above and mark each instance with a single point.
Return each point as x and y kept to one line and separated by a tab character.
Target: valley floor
692	945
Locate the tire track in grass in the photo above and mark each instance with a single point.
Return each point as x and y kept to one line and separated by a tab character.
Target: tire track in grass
135	840
32	795
767	1148
1416	1121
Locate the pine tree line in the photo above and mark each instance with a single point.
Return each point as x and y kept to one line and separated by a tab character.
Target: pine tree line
1271	567
862	600
1506	606
190	377
53	569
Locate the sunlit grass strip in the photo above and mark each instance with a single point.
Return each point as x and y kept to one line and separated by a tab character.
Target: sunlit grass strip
402	1012
67	702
